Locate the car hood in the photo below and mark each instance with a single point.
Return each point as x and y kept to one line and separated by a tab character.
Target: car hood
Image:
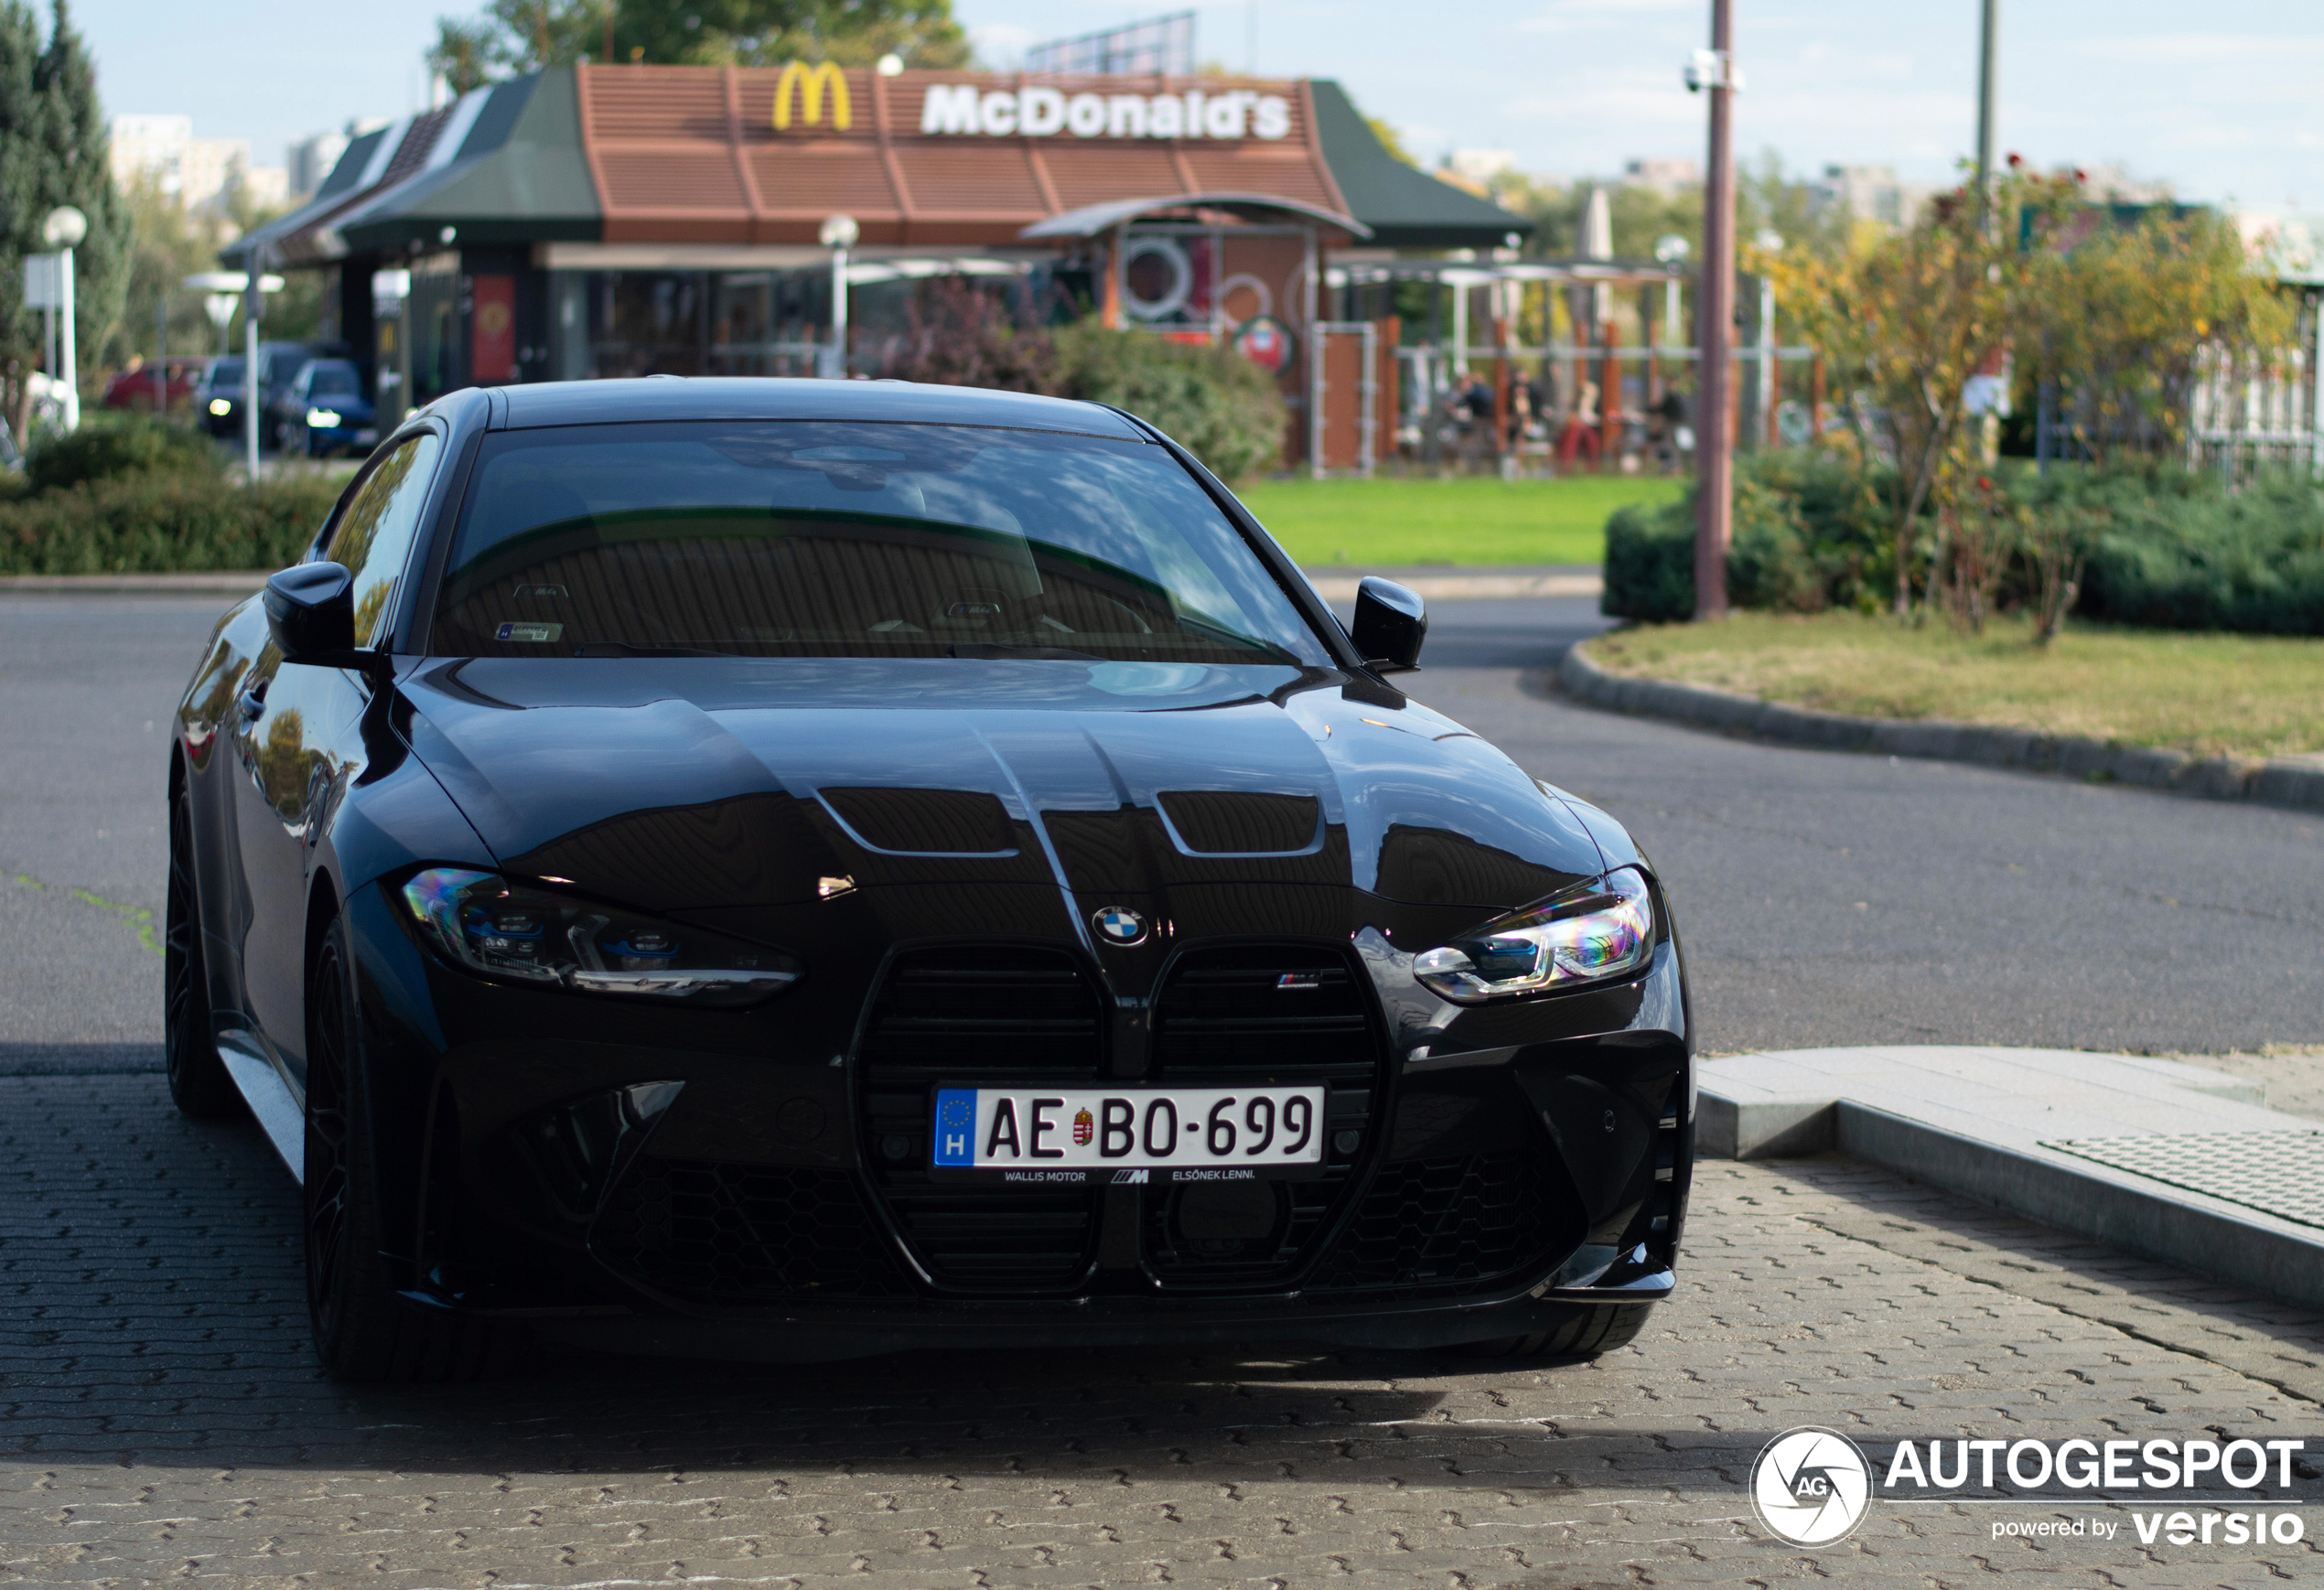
678	783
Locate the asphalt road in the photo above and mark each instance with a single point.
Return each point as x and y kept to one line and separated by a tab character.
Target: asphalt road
1826	897
87	685
1832	897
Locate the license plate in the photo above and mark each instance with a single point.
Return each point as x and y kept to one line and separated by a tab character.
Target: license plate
1128	1134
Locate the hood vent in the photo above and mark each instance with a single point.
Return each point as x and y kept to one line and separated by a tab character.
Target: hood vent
1230	822
960	823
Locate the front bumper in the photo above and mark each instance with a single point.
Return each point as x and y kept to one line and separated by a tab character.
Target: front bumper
732	1184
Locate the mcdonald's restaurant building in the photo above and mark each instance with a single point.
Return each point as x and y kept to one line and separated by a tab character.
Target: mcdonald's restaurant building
593	221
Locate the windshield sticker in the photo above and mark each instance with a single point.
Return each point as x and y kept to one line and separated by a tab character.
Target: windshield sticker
513	631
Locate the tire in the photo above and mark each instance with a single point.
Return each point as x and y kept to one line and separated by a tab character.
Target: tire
363	1331
199	1083
1589	1329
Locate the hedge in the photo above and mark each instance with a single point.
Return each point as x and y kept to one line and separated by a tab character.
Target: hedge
157	523
2177	550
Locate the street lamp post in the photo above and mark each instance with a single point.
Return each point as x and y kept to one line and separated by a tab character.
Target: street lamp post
839	234
253	306
62	231
223	288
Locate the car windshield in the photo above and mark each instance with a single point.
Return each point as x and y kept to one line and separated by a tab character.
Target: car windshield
820	539
332	381
226	372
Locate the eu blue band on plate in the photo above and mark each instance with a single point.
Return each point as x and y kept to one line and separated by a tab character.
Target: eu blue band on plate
955	1141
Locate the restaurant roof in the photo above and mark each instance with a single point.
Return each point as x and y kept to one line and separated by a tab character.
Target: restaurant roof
708	156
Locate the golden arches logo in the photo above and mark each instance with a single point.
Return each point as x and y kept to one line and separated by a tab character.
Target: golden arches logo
814	82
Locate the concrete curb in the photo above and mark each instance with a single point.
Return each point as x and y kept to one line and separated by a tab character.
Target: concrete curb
2294	782
193	584
2098	1202
1339	583
1995	1124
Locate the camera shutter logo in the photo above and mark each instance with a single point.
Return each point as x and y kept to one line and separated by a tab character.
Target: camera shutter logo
1811	1487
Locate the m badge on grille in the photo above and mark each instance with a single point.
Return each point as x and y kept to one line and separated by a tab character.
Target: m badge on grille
1120	925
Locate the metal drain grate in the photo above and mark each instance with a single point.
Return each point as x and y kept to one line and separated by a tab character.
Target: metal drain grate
2277	1173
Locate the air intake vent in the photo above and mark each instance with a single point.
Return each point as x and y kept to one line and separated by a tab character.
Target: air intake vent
987	1016
926	821
1253	1014
745	1233
1225	822
1429	1223
1265	1011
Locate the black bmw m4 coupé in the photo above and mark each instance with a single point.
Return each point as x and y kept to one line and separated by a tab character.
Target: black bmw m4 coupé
803	869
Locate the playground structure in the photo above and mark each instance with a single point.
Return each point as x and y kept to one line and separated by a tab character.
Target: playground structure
1540	366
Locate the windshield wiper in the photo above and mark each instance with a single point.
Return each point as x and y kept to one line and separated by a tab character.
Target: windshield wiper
990	649
623	649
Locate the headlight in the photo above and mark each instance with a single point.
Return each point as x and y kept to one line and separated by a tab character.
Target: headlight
1604	929
323	419
221	407
501	930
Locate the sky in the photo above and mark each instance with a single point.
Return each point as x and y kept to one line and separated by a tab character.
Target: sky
2218	99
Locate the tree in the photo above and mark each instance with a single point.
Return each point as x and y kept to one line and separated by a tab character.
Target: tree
1903	321
2131	306
521	35
52	153
20	341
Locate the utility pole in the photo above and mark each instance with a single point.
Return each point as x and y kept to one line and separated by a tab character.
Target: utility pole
1988	69
1714	73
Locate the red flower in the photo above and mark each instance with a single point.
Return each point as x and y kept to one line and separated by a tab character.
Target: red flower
1983	484
2015	160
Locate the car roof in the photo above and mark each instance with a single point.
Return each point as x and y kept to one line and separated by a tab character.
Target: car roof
583	402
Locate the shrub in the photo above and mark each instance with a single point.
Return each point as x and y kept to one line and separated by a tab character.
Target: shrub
1808	535
1649	563
2184	554
961	337
153	523
1212	401
109	446
2165	548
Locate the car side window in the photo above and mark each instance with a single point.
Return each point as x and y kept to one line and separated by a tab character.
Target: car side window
373	536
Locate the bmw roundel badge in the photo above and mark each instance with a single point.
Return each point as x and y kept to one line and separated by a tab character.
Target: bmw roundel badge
1120	925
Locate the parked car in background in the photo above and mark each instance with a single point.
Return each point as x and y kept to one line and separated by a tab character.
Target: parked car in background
185	376
325	405
219	403
278	364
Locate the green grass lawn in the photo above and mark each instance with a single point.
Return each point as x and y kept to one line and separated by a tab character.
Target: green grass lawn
2247	695
1470	520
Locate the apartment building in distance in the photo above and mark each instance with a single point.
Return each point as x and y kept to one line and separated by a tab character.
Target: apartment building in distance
199	173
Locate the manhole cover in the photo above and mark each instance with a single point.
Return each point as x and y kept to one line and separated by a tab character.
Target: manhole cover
2277	1173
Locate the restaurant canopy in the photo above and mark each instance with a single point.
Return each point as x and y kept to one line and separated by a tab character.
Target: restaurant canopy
924	160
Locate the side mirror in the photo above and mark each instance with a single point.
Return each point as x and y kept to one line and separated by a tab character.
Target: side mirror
310	610
1391	623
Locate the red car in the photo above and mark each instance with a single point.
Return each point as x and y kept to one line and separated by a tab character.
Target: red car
133	387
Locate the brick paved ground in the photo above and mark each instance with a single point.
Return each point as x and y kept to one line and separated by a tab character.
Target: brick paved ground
163	1420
